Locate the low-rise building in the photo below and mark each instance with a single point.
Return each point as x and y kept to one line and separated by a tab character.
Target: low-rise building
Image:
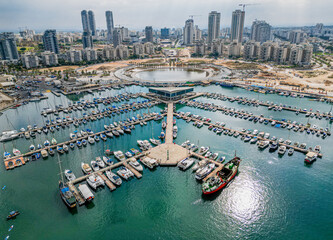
74	56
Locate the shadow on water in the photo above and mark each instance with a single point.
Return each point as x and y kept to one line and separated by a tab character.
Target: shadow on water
73	211
90	205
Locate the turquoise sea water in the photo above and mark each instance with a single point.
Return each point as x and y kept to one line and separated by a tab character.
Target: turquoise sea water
271	198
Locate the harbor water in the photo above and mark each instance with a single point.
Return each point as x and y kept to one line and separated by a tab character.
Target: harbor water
272	197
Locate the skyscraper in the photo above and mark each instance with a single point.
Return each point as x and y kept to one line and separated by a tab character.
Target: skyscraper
165	32
87	40
214	19
50	41
109	24
188	32
91	22
260	31
8	49
149	33
117	37
84	18
237	25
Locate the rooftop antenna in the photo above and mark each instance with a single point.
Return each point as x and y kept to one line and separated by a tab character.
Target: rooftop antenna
192	16
247	4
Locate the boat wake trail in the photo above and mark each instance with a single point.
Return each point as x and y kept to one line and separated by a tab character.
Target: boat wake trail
196	201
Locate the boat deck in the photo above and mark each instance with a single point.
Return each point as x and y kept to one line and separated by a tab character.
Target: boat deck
76	194
108	183
135	172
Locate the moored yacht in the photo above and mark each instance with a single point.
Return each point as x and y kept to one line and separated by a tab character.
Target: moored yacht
95	181
203	172
113	177
135	164
185	163
69	175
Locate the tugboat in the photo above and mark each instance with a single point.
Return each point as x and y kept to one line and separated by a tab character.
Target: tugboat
223	177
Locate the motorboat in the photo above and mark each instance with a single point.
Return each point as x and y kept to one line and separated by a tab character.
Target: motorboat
94	166
310	157
119	155
99	162
155	141
12	215
273	146
32	147
72	145
125	173
282	150
67	195
69	175
185	163
72	136
214	156
65	147
149	162
135	164
16	152
203	172
199	164
86	168
128	154
9	135
203	150
113	177
291	151
91	140
60	149
46	143
54	141
6	155
95	181
263	144
107	160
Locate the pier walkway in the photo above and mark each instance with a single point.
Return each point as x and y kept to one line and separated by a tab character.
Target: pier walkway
169	127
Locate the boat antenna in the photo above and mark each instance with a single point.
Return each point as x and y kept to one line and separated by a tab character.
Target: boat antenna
235	153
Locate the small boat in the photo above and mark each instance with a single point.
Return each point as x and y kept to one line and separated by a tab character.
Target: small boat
282	150
107	161
16	152
86	168
60	149
185	163
162	136
72	145
44	153
54	141
51	151
103	137
99	162
10	228
91	140
95	181
69	175
113	177
67	195
46	143
199	164
291	151
65	147
164	124
203	150
136	165
310	157
13	214
155	141
94	166
32	147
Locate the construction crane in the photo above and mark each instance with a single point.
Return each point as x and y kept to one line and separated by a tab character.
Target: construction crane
247	4
192	16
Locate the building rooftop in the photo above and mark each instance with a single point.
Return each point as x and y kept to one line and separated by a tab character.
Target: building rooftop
170	90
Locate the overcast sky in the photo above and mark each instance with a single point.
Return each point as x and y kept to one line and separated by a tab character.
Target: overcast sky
136	14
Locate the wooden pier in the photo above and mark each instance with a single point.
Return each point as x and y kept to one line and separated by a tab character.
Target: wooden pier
108	183
135	172
169	127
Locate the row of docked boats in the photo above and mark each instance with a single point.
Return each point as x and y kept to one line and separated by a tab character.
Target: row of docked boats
295	126
270	105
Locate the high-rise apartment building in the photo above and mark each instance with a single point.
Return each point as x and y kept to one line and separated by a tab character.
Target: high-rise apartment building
149	34
87	40
237	25
214	19
188	32
260	31
109	25
30	60
85	22
297	36
8	49
49	58
197	33
117	37
50	41
92	23
74	56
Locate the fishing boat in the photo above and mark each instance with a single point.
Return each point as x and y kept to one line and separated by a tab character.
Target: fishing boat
135	164
69	175
223	177
149	162
67	195
185	163
95	181
203	172
86	168
13	214
113	177
125	173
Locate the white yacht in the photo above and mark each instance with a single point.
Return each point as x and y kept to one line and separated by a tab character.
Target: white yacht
136	165
185	163
91	140
199	164
149	162
113	177
119	155
155	141
16	152
95	181
99	162
282	150
125	173
94	165
8	135
203	172
69	175
107	161
86	168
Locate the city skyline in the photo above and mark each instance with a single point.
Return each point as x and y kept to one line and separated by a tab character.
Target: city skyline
49	15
